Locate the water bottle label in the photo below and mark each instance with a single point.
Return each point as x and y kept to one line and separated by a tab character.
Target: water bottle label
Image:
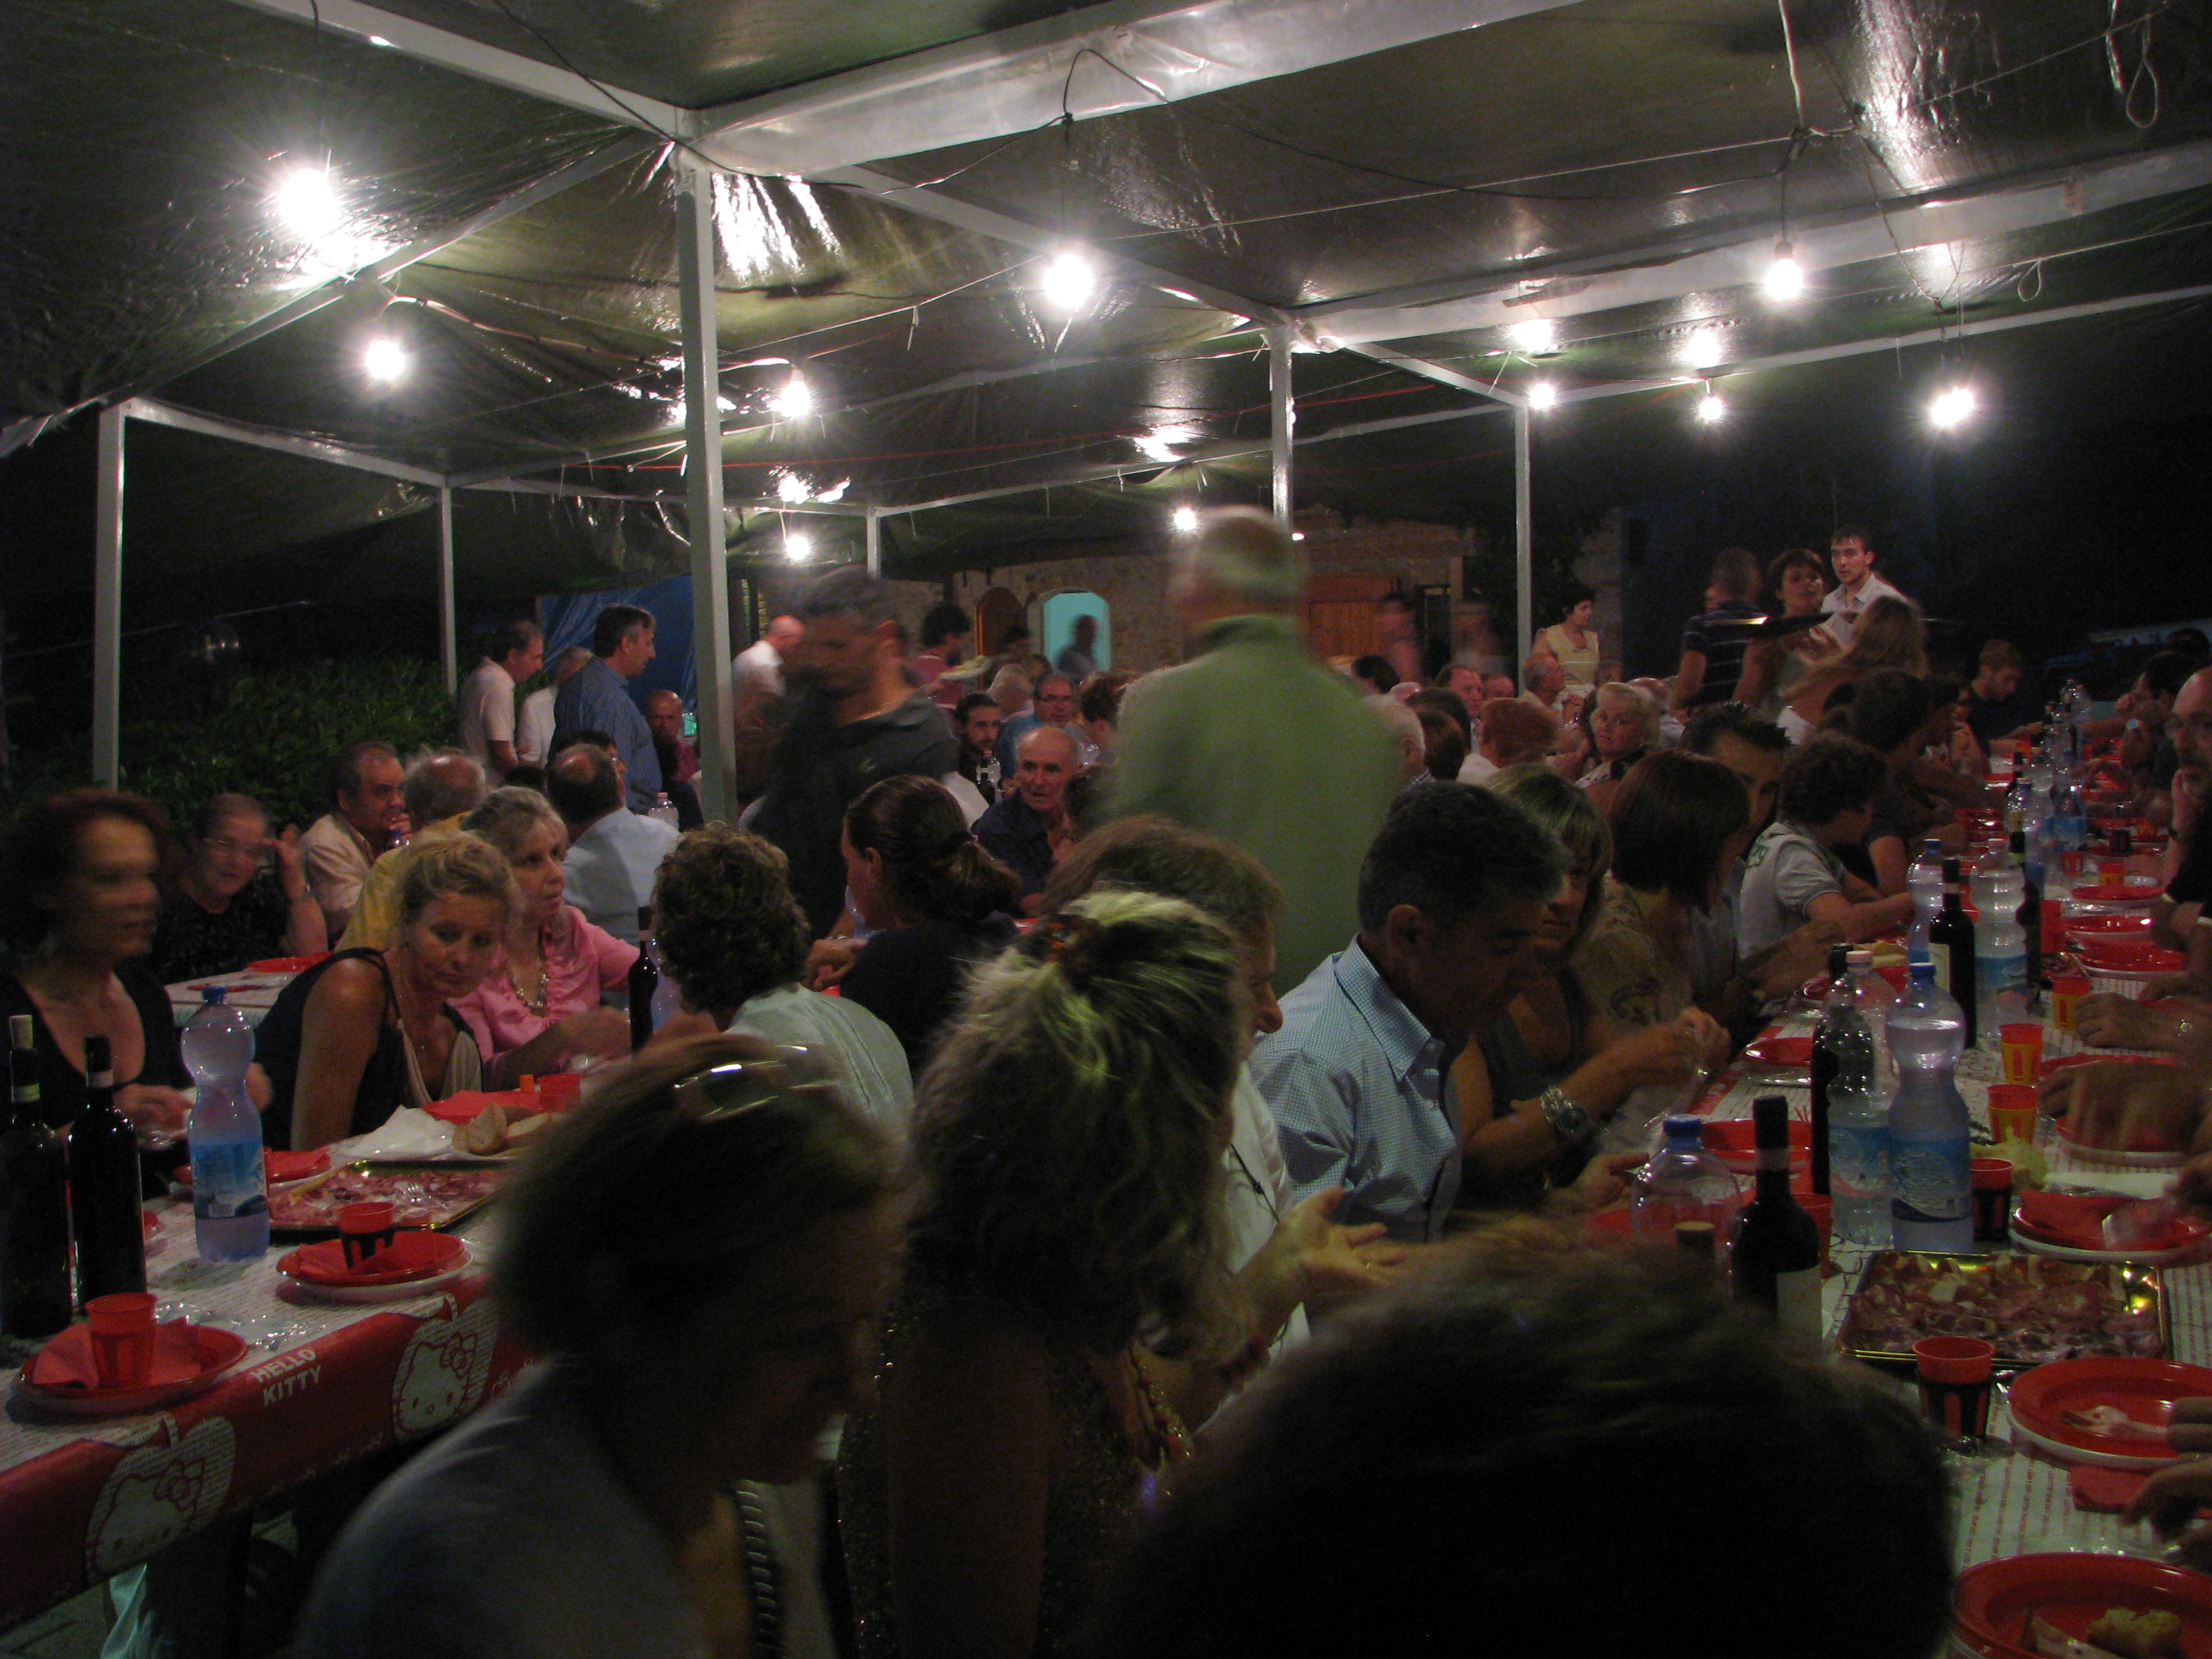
1930	1180
226	1181
1858	1160
1996	976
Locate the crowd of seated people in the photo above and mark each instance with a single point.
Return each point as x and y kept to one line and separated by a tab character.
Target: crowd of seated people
1073	1166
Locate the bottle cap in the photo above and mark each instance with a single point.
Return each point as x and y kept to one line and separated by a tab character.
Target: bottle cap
1769	1123
213	995
1839	957
1924	971
1685	1126
1950	870
22	1032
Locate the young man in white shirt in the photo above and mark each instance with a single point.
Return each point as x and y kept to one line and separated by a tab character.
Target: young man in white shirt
1857	584
516	651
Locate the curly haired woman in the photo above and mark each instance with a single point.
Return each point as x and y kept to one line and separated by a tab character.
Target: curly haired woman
1069	1144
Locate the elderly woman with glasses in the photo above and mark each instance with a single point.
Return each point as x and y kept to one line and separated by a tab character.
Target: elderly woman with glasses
701	1252
241	895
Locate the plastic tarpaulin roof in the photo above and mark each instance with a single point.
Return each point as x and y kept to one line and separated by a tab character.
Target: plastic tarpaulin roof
1583	194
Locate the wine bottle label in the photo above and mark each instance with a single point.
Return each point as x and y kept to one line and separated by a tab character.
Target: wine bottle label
1797	1303
1942	959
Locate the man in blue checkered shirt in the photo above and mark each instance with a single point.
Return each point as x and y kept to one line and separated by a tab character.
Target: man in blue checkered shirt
1359	1076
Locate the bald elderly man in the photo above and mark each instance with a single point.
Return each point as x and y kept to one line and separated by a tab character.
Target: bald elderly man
1029	829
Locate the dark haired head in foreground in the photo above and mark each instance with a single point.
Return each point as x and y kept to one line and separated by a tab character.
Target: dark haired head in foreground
1541	1452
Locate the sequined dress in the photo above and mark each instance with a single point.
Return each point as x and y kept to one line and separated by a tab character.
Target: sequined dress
1098	1490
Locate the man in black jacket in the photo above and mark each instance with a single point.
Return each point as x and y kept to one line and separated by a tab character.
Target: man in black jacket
854	721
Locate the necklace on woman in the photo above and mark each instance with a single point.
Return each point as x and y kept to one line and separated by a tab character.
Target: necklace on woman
533	1000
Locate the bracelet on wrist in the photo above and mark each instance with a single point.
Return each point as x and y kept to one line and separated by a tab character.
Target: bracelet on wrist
1570	1119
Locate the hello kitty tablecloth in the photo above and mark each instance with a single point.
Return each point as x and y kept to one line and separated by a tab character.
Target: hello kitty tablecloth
325	1385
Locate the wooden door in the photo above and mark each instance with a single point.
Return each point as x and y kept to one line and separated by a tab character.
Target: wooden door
1339	614
995	612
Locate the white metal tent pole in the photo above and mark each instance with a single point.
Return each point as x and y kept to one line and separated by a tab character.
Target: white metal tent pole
448	644
875	542
1524	550
1280	414
107	604
702	446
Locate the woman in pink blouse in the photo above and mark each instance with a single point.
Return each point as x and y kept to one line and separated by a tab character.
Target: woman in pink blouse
539	1010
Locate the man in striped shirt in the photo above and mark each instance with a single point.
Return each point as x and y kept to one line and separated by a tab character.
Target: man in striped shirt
1714	643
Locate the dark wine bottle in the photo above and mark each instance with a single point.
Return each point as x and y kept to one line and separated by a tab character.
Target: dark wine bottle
1826	1061
2031	915
34	1218
1951	940
1775	1245
644	980
104	1190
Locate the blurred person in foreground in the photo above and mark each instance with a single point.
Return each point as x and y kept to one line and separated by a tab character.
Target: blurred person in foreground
733	940
700	1252
1537	1084
78	897
1253	741
368	1030
1487	1407
1069	1227
226	907
543	1007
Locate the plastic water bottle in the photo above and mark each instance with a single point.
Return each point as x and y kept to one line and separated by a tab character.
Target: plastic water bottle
2001	987
230	1192
1683	1182
1858	1122
1931	1193
664	810
1924	881
2070	816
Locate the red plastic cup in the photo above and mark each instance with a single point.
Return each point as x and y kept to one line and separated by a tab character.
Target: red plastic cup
558	1090
2067	991
2112	873
2022	1049
1954	1384
122	1327
2012	1112
365	1231
1992	1185
2054	924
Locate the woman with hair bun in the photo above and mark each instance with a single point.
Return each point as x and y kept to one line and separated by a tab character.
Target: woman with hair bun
939	902
1071	1223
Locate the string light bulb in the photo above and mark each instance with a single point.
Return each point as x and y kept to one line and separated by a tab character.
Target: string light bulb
1543	395
1948	408
1534	336
1785	277
308	203
1710	408
384	360
1066	282
1184	518
794	399
799	549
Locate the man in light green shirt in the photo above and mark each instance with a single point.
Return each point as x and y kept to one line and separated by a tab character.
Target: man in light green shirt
1254	741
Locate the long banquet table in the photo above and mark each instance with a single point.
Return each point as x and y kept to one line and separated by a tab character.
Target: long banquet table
81	1500
2012	1498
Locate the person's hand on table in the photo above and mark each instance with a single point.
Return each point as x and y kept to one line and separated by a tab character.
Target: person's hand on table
2104	1019
1335	1263
827	961
1801	954
156	1112
2169	1500
599	1030
2127	1105
1606	1180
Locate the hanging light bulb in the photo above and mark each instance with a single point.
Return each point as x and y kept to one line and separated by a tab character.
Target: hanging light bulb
308	203
1950	407
790	487
1785	277
1542	395
1066	282
1184	518
794	399
1535	335
798	549
384	360
1710	408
